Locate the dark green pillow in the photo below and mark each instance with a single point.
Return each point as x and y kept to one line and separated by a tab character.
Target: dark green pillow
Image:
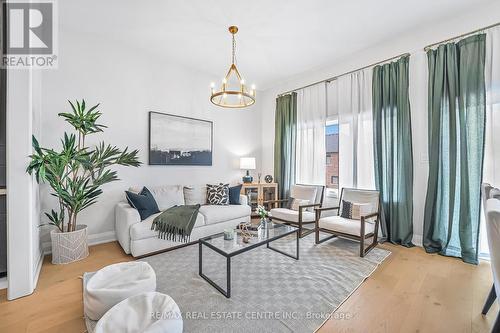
144	202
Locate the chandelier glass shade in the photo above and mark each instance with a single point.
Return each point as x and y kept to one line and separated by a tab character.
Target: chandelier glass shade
233	92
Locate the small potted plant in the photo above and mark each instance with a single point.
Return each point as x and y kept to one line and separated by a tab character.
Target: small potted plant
263	214
76	174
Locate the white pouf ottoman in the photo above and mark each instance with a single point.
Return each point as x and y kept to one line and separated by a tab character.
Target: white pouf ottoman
114	283
151	312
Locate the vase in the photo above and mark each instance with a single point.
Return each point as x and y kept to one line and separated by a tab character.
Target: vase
263	222
71	246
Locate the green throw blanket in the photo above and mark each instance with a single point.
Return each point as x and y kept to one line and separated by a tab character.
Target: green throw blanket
176	223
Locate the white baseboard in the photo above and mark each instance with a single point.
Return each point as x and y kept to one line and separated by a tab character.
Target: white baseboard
94	239
3	283
38	268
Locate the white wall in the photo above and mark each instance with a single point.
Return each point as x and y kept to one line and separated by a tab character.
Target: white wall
413	42
23	243
128	83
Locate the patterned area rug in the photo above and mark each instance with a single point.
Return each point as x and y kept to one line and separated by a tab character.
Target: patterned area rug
270	292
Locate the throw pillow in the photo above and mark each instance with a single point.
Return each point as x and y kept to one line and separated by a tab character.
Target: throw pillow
218	194
194	195
298	202
346	211
360	209
353	210
144	202
234	195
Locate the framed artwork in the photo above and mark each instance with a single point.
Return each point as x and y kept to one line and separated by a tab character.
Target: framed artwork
177	140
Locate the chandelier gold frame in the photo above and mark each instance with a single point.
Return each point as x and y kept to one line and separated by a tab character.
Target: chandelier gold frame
245	97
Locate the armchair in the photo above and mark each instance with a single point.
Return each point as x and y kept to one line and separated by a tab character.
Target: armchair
360	230
282	213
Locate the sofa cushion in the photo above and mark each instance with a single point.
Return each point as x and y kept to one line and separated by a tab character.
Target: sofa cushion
292	215
143	230
166	196
195	194
346	226
221	213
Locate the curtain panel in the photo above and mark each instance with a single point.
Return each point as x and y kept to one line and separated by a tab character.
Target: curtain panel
350	98
456	128
284	143
311	145
392	141
491	169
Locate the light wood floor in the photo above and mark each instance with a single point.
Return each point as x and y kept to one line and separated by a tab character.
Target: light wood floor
410	292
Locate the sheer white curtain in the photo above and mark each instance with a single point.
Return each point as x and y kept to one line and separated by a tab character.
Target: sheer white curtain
491	164
350	97
310	146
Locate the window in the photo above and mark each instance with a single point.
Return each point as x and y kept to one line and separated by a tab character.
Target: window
332	157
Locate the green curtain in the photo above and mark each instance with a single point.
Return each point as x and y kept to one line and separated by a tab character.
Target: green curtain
285	132
456	115
393	150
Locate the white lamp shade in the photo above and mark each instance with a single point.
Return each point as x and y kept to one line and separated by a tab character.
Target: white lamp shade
247	163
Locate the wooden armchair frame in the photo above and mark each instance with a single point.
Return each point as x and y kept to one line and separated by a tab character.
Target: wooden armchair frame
300	221
362	236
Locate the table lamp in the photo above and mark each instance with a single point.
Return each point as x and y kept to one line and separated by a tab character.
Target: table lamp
247	163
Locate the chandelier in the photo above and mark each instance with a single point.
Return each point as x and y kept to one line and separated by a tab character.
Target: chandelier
233	92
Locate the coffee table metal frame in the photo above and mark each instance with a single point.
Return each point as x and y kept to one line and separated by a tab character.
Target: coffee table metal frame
227	292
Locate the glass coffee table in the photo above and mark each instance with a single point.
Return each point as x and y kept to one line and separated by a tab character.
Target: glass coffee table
233	247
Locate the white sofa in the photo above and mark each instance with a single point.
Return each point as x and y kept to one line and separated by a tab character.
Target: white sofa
137	238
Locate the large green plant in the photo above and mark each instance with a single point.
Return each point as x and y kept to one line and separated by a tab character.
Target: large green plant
77	172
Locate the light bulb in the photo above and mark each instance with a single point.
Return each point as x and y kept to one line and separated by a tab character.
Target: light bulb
239	96
212	85
253	86
224	95
224	80
242	81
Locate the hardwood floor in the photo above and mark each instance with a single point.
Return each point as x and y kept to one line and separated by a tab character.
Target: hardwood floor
410	292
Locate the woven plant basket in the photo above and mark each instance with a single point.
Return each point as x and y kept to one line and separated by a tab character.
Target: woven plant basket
69	246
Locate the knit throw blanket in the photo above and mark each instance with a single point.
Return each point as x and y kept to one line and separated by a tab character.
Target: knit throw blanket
176	223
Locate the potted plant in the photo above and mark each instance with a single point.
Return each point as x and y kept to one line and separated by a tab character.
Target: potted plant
76	174
263	214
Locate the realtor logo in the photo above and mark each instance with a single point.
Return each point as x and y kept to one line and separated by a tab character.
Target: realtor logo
29	38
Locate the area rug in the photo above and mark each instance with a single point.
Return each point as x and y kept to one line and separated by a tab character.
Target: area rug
270	292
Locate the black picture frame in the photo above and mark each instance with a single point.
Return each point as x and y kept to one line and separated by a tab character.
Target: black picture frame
175	156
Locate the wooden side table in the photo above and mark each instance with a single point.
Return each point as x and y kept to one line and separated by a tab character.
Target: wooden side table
259	194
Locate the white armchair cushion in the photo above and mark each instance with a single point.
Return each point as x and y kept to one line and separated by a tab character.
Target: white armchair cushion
296	203
292	215
346	226
304	192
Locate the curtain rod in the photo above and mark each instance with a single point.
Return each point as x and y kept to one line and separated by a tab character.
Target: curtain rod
460	36
346	73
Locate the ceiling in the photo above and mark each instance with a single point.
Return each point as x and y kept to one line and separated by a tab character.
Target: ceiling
277	39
